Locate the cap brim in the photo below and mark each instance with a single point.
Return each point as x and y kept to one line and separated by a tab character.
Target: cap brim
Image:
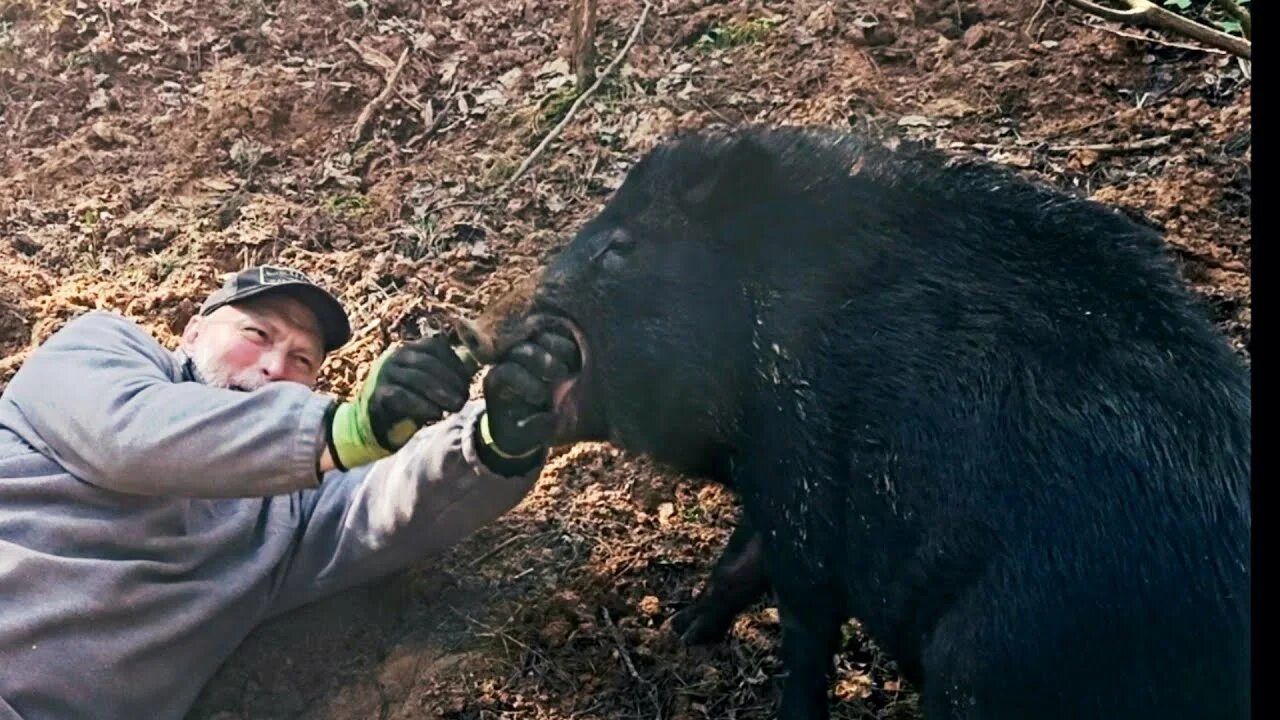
335	328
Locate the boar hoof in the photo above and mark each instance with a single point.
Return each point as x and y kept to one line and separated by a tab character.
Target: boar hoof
700	625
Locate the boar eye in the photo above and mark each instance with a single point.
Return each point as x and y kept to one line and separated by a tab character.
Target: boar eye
618	246
622	242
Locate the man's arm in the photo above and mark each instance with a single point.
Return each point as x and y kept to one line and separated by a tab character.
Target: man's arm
452	478
373	520
99	398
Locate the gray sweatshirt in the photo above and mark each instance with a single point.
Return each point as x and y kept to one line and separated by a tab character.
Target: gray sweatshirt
148	522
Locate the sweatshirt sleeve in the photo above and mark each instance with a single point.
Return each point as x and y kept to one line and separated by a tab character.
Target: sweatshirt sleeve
100	398
381	517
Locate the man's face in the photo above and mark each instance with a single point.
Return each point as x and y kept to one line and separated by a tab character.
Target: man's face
250	343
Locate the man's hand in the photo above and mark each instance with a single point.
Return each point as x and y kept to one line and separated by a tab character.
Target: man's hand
518	421
409	386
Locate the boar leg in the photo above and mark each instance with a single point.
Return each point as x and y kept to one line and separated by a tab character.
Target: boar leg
810	639
737	581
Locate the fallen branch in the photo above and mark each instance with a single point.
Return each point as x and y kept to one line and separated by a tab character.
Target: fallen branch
376	104
1154	40
635	33
1144	12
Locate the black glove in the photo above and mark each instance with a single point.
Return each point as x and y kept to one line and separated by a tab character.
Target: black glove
518	421
409	386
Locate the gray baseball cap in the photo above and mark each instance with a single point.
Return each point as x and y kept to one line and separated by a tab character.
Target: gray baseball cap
262	279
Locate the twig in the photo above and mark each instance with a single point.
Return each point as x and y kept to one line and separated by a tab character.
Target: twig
715	112
1232	8
1155	40
22	123
504	545
505	636
1083	126
1035	16
457	203
371	57
635	33
375	104
111	30
502	635
370	327
631	668
410	101
594	707
163	25
1145	12
439	117
1151	143
875	66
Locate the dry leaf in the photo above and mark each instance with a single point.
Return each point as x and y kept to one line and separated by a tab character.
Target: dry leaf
666	511
649	606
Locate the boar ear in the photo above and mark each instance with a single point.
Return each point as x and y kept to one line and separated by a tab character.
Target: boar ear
734	177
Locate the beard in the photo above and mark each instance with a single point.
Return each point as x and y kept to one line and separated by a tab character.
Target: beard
214	373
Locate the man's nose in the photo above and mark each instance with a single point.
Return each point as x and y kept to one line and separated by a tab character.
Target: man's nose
274	365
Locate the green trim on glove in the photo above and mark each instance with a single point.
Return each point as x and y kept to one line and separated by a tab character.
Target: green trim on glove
352	435
354	441
486	436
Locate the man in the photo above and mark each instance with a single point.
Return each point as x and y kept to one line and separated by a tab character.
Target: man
155	506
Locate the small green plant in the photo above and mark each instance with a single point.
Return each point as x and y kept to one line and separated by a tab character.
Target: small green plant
75	60
1230	26
497	172
1212	12
693	514
556	104
163	264
422	237
848	633
346	203
735	34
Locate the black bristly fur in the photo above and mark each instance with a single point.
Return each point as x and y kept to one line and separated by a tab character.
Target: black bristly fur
982	416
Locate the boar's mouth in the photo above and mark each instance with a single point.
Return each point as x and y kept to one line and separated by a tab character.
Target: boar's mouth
568	396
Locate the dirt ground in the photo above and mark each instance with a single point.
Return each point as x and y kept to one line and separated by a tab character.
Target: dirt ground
146	146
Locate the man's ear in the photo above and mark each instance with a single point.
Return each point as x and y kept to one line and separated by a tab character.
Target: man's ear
191	332
735	176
